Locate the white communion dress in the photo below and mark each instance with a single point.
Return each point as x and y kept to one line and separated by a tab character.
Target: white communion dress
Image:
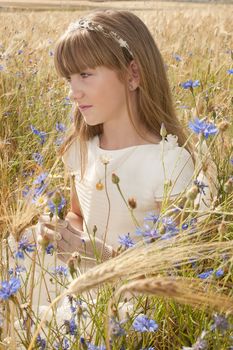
142	171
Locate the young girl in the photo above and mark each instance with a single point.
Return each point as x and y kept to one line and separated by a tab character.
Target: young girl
126	142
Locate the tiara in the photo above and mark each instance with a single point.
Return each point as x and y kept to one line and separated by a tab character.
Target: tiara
85	24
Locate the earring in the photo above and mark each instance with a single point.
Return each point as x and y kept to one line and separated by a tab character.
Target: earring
131	88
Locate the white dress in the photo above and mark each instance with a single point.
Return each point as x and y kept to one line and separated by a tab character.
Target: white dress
142	171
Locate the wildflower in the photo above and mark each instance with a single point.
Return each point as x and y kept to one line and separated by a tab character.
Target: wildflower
126	241
220	323
19	255
151	217
67	101
60	127
230	71
115	327
41	343
177	57
150	348
1	68
105	159
24	246
219	273
206	274
201	186
201	344
51	53
40	201
143	324
38	158
231	161
94	347
40	179
9	288
42	135
50	249
64	346
204	128
57	203
20	52
71	327
59	141
190	84
17	270
147	232
60	270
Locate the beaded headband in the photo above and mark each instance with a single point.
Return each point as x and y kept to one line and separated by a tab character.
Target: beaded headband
86	24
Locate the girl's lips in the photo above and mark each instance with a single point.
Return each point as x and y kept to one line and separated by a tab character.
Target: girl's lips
84	107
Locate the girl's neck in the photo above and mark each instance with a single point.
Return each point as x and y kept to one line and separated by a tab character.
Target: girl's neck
126	137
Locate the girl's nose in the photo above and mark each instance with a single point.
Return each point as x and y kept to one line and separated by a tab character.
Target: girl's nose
75	96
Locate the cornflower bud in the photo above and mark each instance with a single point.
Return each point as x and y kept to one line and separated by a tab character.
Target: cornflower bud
115	179
228	186
132	203
223	125
192	193
163	131
43	241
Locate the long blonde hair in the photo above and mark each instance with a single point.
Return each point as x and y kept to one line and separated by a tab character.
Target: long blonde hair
81	49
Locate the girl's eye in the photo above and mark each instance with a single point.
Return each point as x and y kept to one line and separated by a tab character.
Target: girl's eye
84	75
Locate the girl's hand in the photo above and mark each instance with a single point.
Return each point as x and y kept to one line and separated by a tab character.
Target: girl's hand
69	240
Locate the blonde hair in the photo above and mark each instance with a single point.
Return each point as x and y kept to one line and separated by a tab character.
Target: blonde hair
80	49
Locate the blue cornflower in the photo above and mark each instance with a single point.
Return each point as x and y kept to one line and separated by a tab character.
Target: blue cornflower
143	324
65	345
206	274
231	161
126	241
151	217
147	232
19	255
59	140
60	270
25	246
116	327
71	326
41	343
94	347
56	208
219	273
1	67
201	186
220	323
42	135
67	101
25	191
190	84
202	127
50	249
38	158
230	71
40	179
17	270
9	288
51	53
60	127
177	57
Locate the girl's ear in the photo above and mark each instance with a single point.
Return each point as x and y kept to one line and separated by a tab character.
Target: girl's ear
134	77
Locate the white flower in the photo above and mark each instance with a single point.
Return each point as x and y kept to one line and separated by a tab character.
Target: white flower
171	141
105	159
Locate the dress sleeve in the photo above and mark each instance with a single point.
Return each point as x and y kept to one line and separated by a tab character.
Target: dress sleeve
176	166
71	158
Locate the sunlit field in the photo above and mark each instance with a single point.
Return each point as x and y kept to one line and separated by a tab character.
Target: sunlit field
171	291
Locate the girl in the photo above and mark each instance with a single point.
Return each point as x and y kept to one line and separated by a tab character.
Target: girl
115	154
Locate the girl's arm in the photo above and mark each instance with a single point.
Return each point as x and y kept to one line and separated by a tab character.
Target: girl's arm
74	216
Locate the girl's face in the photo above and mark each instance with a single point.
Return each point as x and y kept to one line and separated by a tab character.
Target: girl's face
100	95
